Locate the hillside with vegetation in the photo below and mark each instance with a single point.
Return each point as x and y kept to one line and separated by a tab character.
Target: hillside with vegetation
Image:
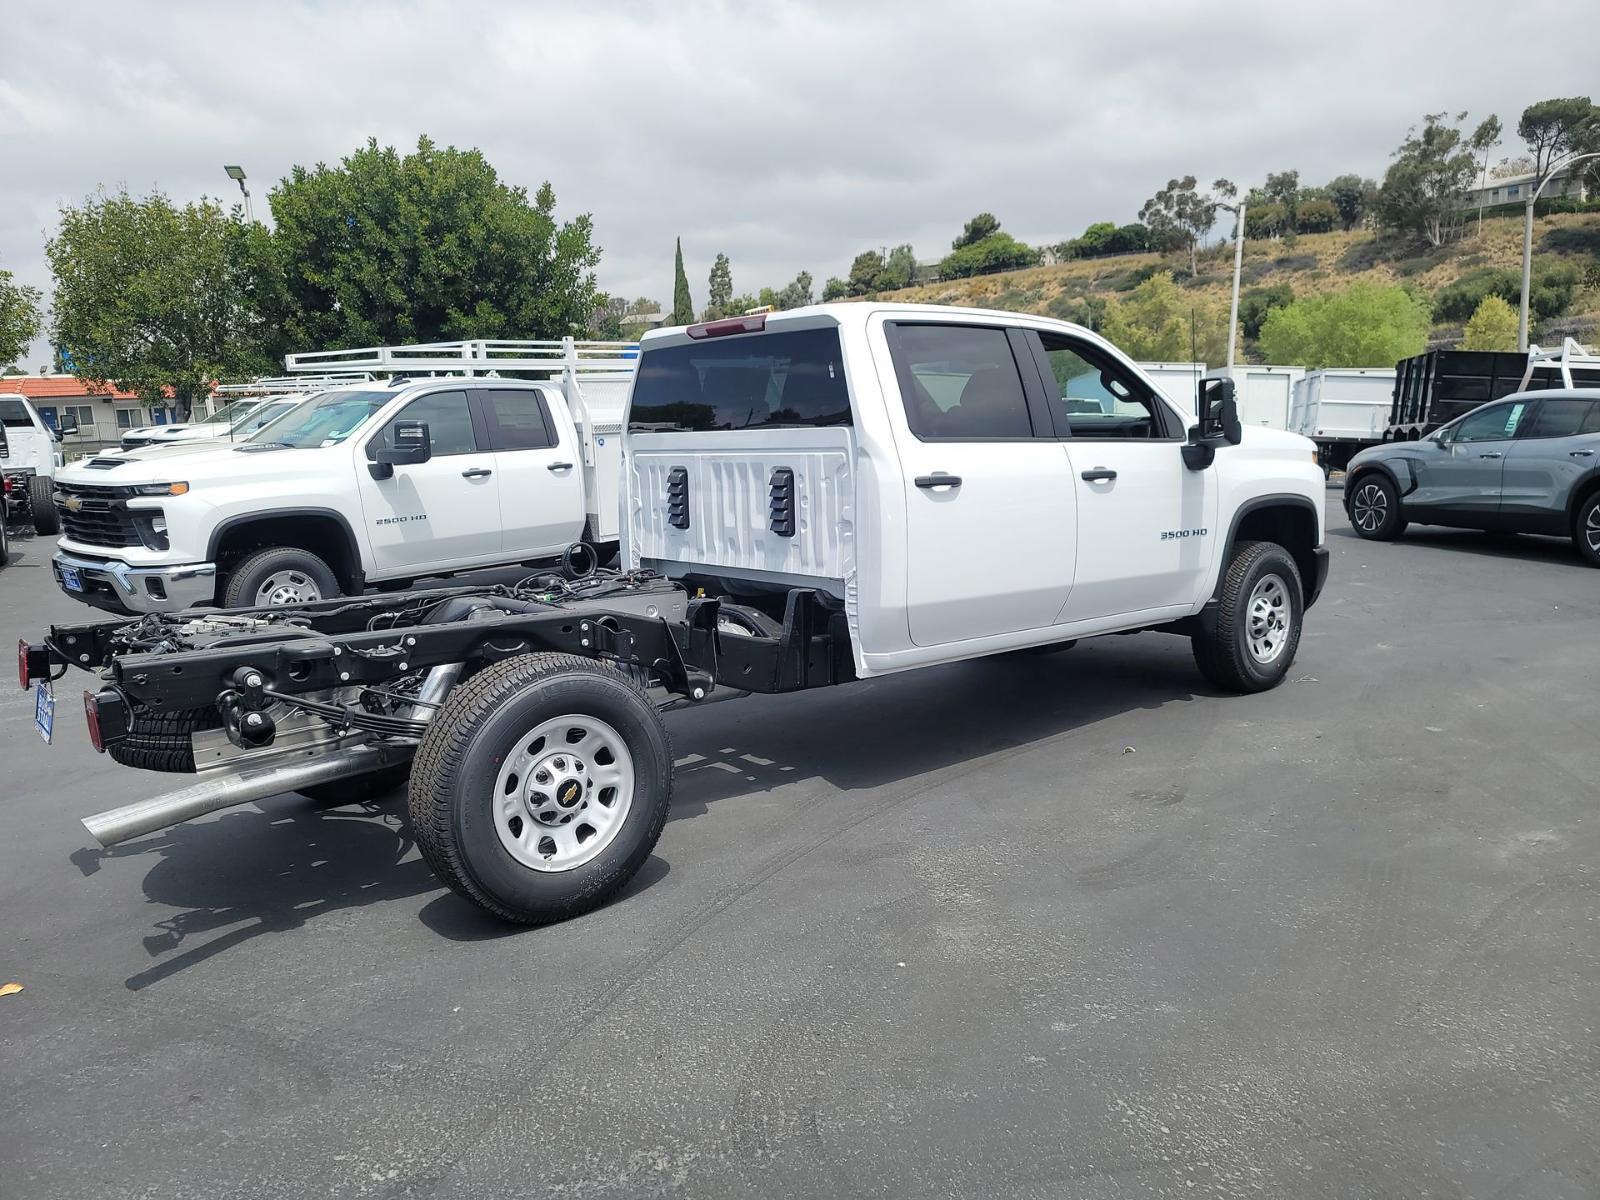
1451	280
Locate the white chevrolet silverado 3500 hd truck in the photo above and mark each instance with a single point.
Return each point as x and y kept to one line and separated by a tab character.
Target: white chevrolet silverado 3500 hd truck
322	501
810	498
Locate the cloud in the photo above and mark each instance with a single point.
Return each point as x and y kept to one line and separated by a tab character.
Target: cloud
787	135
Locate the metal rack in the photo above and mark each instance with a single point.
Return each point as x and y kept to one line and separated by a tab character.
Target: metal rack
285	384
556	356
1571	356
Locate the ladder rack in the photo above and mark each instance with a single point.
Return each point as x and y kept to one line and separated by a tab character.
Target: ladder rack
1571	355
283	384
557	356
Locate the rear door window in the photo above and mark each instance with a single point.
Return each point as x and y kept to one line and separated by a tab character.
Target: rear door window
518	419
1559	418
763	381
960	383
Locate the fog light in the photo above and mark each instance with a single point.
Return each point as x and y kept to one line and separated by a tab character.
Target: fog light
156	587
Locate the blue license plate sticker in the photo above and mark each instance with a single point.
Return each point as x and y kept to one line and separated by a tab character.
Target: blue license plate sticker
71	580
44	709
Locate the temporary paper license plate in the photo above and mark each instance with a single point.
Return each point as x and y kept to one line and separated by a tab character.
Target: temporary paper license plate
71	580
44	709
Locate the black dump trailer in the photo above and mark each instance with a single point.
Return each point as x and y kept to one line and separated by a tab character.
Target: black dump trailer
1439	386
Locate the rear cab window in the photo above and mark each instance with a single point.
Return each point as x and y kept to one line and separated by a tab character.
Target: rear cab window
14	415
780	380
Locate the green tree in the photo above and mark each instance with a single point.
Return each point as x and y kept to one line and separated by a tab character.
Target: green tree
1315	216
1160	322
682	301
1424	187
721	289
975	230
796	294
1179	215
1363	326
152	297
1349	194
865	272
835	289
386	248
1283	189
1492	327
997	252
20	319
1555	128
899	269
1255	304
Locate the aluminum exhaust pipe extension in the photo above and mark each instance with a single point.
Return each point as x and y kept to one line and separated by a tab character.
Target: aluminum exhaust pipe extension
147	816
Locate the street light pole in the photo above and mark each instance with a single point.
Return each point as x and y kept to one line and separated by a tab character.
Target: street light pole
237	175
1527	240
1238	260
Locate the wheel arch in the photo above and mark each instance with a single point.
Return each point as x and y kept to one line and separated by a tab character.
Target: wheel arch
1582	491
1289	519
322	531
1398	473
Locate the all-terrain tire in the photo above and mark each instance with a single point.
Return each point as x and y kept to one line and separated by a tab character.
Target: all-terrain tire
302	574
1375	508
42	506
1225	655
359	789
160	741
1586	530
458	766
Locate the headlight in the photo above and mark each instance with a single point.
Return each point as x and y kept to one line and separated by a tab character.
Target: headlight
162	489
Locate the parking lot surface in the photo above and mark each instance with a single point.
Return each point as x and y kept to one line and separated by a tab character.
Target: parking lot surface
1063	925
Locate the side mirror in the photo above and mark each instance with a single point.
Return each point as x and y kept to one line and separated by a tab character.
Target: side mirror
1219	412
67	424
1219	423
412	445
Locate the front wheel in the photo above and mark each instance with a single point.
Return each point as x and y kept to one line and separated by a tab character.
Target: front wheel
280	577
1586	530
541	786
42	507
1257	631
1375	509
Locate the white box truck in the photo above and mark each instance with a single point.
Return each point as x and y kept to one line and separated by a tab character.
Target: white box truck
1343	410
1264	393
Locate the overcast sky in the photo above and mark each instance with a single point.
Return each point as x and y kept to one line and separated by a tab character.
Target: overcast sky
788	135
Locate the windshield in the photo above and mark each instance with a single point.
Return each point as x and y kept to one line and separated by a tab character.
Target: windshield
262	415
229	413
324	421
14	413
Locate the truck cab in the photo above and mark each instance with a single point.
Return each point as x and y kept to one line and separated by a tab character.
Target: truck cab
957	481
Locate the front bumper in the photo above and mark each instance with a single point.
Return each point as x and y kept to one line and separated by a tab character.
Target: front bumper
119	588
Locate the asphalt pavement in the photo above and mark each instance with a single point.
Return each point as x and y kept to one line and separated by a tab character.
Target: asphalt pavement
1044	926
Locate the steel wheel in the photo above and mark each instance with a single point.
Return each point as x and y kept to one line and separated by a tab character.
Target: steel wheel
1268	618
1370	508
287	587
562	796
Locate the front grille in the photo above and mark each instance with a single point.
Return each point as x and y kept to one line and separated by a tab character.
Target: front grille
102	518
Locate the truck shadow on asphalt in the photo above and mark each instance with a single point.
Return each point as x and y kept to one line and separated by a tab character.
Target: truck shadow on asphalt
1533	548
271	870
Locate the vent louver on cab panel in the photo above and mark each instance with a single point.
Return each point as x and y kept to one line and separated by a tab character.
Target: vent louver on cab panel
678	498
780	507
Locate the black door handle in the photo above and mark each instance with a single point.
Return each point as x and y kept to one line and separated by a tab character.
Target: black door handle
559	467
1491	454
1580	453
1099	473
477	473
938	480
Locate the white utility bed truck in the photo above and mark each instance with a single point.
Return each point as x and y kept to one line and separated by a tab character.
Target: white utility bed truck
30	455
329	498
810	498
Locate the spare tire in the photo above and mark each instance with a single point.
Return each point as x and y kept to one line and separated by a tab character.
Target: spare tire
161	741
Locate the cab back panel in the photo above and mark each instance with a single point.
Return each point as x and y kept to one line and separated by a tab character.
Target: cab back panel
720	500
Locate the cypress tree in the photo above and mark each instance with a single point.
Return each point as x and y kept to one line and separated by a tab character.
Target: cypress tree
682	302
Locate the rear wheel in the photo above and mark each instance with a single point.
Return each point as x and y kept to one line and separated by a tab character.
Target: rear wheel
1586	530
1375	509
283	576
1257	630
541	787
42	506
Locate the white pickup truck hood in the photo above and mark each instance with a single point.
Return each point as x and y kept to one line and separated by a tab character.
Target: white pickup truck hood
197	463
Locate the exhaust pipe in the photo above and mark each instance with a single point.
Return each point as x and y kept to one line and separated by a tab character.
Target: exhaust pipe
148	816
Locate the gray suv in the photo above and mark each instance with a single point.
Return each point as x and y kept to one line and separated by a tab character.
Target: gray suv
1529	463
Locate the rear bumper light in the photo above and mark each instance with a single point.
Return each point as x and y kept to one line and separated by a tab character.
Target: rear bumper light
107	714
33	662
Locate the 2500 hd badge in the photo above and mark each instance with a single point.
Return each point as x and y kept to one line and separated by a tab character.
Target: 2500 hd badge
400	520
